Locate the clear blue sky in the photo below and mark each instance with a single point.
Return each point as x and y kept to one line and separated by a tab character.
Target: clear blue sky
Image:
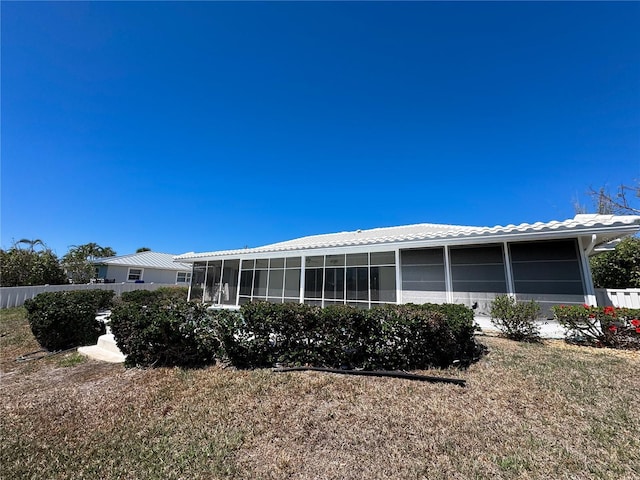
203	126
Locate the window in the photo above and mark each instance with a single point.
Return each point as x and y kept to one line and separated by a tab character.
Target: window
355	279
197	281
183	277
275	280
134	275
478	269
549	267
423	270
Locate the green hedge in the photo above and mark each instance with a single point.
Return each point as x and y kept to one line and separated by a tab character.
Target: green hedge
161	334
62	320
163	295
156	331
386	337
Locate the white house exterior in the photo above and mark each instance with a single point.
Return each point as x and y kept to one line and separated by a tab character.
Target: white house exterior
144	267
420	263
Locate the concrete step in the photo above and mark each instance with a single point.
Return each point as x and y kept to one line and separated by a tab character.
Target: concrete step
108	342
106	350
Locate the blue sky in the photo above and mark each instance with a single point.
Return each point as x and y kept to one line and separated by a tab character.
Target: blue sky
203	126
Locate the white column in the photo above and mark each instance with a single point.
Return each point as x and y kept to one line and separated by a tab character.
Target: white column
590	292
238	286
303	260
204	286
447	275
398	278
190	282
509	271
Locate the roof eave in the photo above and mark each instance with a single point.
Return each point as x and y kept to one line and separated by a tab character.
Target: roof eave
614	231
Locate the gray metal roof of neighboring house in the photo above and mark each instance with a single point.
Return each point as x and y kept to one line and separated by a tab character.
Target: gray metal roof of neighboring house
585	224
145	260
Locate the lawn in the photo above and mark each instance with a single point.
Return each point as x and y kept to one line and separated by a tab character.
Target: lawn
534	411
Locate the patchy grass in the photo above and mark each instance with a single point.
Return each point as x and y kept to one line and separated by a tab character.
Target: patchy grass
71	359
533	411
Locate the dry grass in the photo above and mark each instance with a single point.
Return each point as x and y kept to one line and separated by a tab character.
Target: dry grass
529	411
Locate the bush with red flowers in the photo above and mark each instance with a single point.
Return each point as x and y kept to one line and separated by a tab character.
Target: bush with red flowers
616	327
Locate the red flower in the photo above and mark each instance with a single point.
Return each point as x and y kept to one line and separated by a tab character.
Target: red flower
609	311
592	315
635	323
638	330
585	305
613	328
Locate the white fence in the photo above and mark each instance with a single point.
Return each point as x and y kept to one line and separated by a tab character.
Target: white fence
15	296
629	297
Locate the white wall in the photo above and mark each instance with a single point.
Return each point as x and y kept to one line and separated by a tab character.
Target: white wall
149	275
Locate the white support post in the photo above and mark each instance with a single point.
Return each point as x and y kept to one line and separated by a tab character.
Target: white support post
204	286
303	261
590	292
508	270
447	275
238	285
398	278
190	282
221	284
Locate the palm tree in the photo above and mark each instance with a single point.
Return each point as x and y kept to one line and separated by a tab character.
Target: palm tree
31	243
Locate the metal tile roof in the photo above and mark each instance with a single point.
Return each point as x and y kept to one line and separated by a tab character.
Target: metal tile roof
615	225
146	260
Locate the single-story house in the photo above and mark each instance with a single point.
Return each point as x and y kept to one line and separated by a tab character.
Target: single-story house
143	267
547	262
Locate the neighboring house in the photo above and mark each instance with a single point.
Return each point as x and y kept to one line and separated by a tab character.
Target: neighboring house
147	267
547	262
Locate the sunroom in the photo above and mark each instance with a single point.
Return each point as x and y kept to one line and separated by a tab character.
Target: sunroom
420	263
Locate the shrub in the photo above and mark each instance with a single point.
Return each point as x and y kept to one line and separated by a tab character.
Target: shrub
516	320
386	337
619	268
62	320
180	334
347	335
265	334
410	338
163	295
600	326
459	319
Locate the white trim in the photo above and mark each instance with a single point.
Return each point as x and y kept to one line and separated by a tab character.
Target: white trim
448	279
238	285
398	278
303	261
506	257
204	281
187	278
590	292
141	274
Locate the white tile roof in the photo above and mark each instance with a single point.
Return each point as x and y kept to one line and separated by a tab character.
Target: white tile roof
579	225
145	260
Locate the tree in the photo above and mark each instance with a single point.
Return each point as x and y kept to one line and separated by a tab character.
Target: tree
619	268
26	266
143	249
624	201
32	243
78	261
